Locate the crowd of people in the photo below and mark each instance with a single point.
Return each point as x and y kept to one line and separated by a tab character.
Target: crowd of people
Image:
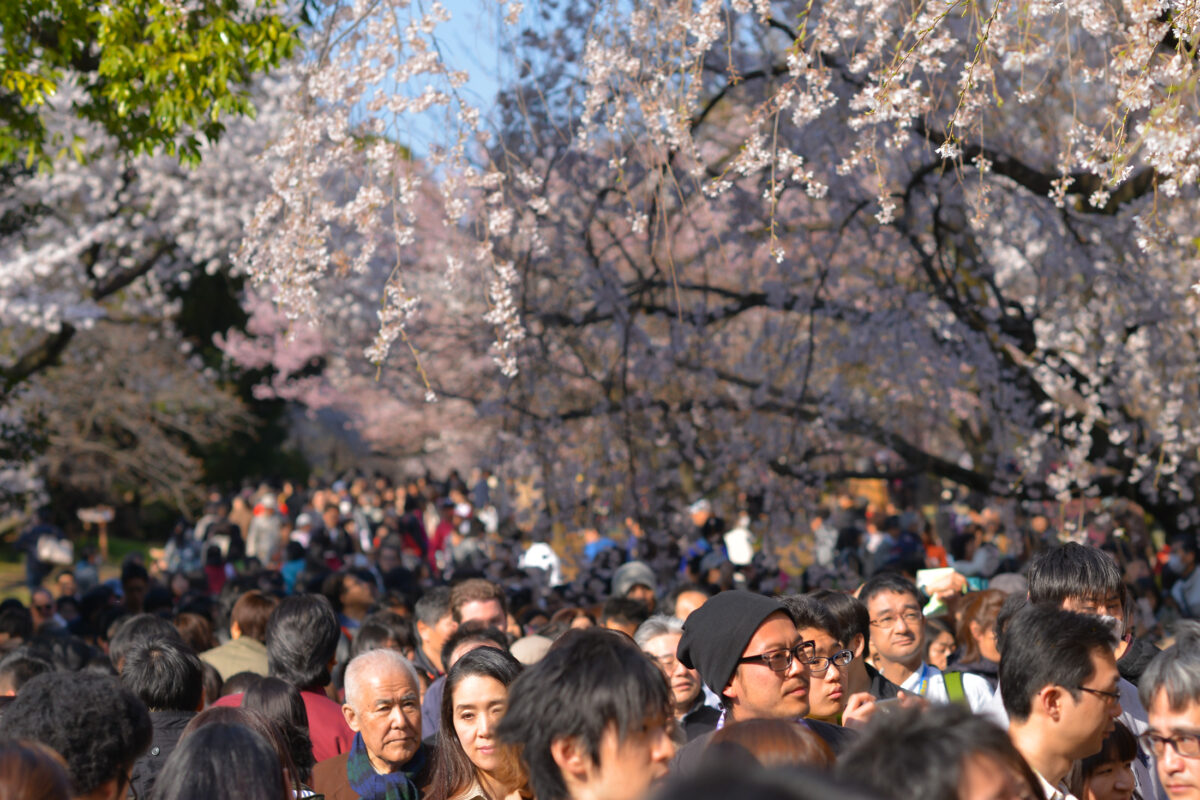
405	642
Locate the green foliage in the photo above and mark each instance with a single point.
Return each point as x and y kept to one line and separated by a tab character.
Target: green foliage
157	75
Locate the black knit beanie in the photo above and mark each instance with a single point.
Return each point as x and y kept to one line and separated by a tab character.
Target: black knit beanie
716	634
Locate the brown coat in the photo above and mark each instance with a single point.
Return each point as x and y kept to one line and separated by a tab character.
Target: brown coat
331	780
330	777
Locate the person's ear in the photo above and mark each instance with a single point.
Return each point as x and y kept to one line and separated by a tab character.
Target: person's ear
1049	700
571	757
351	717
976	630
858	644
235	631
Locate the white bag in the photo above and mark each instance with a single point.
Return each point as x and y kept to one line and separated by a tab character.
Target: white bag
53	550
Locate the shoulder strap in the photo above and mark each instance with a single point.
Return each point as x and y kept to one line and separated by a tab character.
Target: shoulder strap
954	687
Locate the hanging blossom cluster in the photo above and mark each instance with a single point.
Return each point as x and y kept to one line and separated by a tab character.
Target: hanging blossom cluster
373	69
1112	82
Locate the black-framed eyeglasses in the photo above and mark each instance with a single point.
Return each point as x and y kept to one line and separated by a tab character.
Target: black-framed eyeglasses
781	660
1185	744
910	618
820	664
1112	697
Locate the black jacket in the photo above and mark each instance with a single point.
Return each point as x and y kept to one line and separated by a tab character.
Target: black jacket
881	688
168	726
689	759
700	720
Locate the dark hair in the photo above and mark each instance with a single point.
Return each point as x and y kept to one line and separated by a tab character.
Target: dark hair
251	612
196	631
230	761
851	614
473	631
166	675
132	571
31	771
770	743
475	590
380	628
808	612
281	703
17	622
1120	746
433	605
984	608
68	653
334	586
673	596
590	679
1186	541
934	626
912	752
624	610
239	682
453	771
97	725
302	638
732	780
887	582
1073	571
19	666
211	680
136	630
1044	645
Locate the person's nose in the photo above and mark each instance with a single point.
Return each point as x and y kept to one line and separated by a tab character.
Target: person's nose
484	730
799	666
1115	709
1124	781
833	674
1170	761
662	748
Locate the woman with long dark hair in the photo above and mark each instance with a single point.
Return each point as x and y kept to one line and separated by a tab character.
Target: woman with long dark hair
231	762
470	763
280	702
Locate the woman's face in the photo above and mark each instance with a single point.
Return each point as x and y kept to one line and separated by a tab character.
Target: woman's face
1111	781
479	703
985	637
940	649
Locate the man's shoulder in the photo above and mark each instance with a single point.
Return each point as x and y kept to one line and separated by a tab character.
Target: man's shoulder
331	779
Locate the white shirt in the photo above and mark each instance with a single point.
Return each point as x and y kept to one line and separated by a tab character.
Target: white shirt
1133	716
929	682
1054	792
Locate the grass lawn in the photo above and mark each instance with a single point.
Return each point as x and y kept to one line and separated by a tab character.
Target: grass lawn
12	567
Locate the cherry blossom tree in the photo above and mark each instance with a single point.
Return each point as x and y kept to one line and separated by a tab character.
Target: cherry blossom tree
757	244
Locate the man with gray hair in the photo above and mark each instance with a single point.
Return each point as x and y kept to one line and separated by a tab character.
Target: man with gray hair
383	708
1170	691
658	637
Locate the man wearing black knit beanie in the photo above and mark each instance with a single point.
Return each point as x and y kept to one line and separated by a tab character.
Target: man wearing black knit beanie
748	651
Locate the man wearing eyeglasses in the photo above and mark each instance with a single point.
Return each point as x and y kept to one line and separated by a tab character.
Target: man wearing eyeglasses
659	639
898	630
1085	580
1170	691
1060	689
748	650
828	692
